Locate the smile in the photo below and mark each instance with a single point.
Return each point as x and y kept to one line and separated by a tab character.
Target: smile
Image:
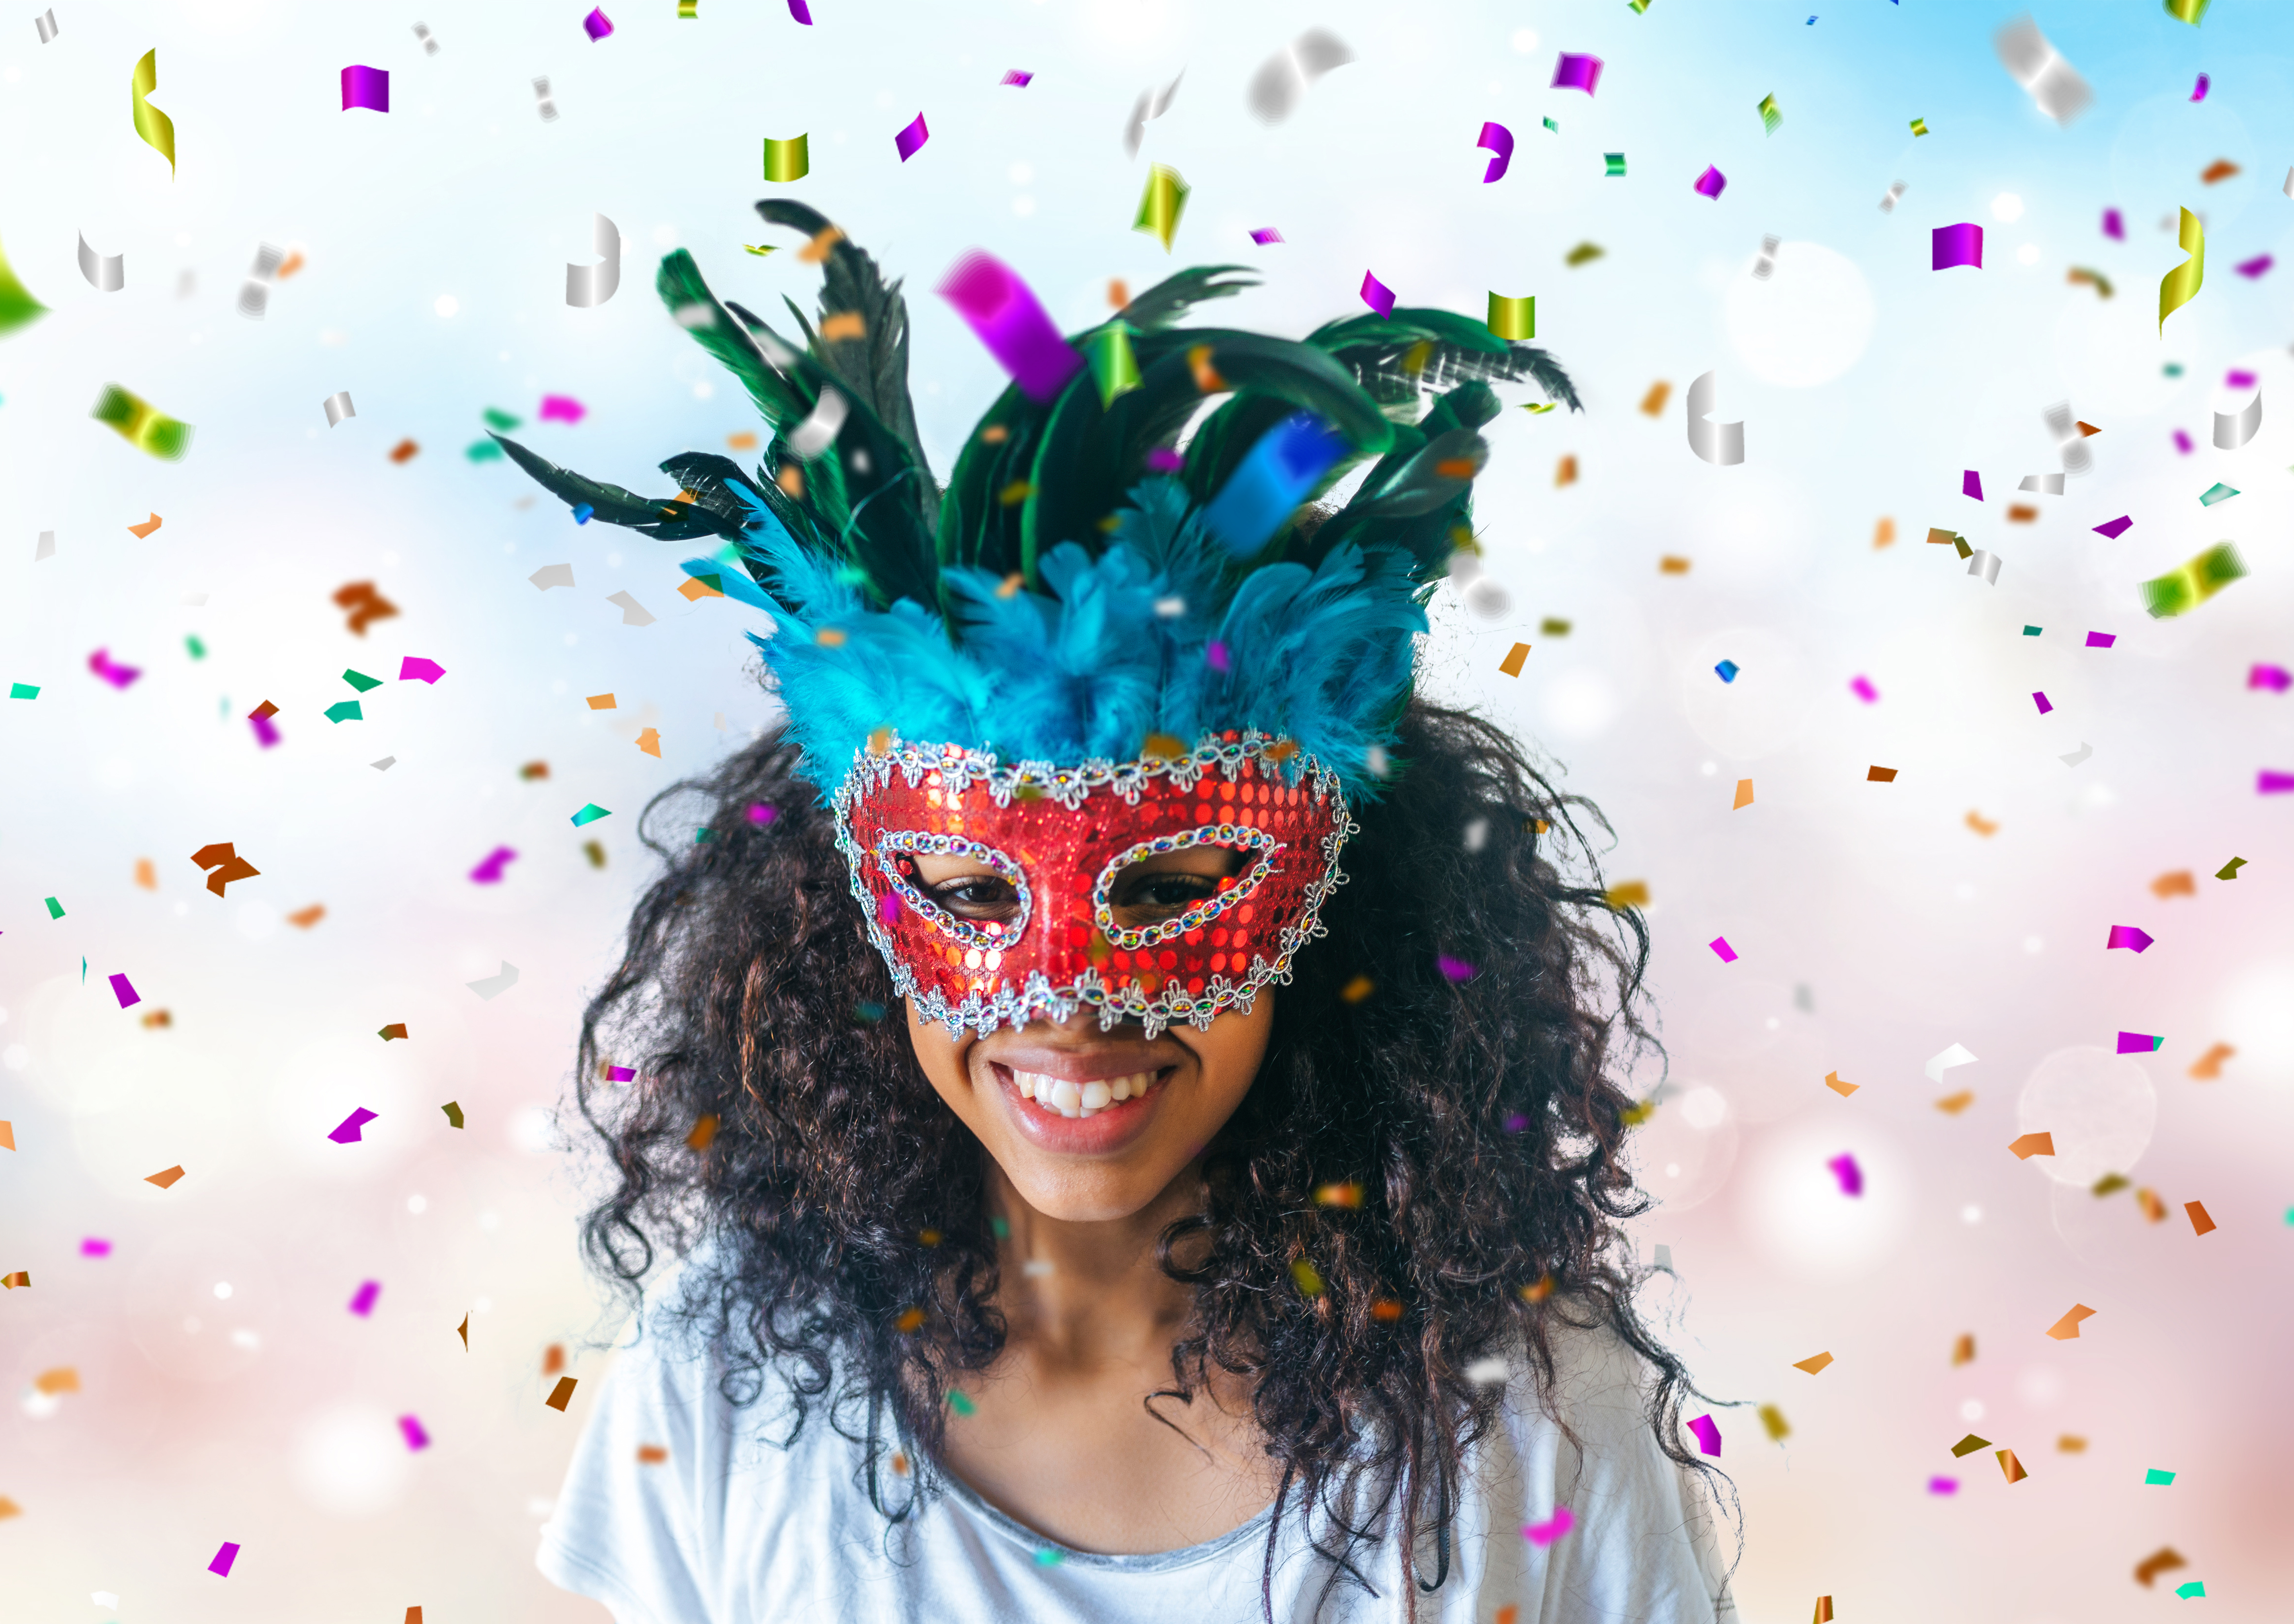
1083	1099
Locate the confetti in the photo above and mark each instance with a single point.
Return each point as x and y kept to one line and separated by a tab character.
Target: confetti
494	985
1266	235
1283	78
1572	71
1708	1435
414	667
592	812
1814	1364
1727	671
1773	1422
2030	1145
633	612
1584	253
157	129
127	993
1919	126
453	1110
596	25
562	1395
1956	245
1013	75
489	871
911	138
2234	430
1512	319
2138	1042
367	87
1512	663
1880	775
2181	285
1963	1352
142	425
1720	444
1710	183
1744	795
2008	1464
1850	1176
2197	580
2161	1561
224	1557
396	1028
2054	86
2196	1212
1720	945
2067	1328
2207	1067
1378	296
1498	140
1832	1080
1561	1521
1771	115
1160	206
347	1132
362	1302
1943	1485
1006	314
1968	1446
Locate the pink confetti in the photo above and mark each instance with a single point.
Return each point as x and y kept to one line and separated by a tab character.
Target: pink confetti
2115	527
414	667
118	676
2138	1042
2255	266
763	812
2275	677
1265	235
1970	483
95	1246
1163	459
1378	296
489	872
2100	639
363	1304
2113	226
1850	1176
1943	1485
562	409
2128	935
888	908
1712	182
126	993
1708	1435
596	25
620	1073
1863	689
2183	442
1013	76
1720	945
2268	783
1456	970
2238	380
1546	1532
1216	656
416	1438
223	1558
347	1132
2040	700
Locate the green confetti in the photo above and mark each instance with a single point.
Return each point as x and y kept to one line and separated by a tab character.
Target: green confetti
1616	162
2194	582
589	814
482	451
1046	1558
2229	870
346	711
1309	1280
701	837
1003	1230
17	304
2195	1588
453	1113
2217	492
500	419
195	648
23	690
2030	631
1553	126
56	910
362	681
960	1405
2155	1477
1771	114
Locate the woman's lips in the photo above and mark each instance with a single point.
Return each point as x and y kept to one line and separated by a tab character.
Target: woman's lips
1062	1114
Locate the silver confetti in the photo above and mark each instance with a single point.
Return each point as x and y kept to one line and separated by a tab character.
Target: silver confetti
46	24
47	548
187	283
422	32
1888	203
2051	484
491	986
541	94
385	764
105	272
2040	68
254	293
2070	441
1766	266
1276	88
1985	564
587	286
2234	430
1720	444
633	612
337	407
2078	755
552	575
1150	105
818	430
1170	608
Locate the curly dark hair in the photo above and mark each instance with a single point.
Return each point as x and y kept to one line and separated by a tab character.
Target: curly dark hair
1477	1103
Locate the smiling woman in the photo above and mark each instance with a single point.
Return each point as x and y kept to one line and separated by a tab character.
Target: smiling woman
1129	1093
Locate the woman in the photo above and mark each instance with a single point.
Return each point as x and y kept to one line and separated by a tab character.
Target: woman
1117	1113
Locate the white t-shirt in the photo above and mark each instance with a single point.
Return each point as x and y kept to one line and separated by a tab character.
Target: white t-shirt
732	1528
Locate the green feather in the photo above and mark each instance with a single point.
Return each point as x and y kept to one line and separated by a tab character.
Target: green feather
1175	296
1379	354
688	298
665	518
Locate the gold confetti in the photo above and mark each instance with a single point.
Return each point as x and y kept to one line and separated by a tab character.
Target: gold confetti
845	324
704	1132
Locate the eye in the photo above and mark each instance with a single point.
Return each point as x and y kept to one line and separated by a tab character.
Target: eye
976	897
1158	888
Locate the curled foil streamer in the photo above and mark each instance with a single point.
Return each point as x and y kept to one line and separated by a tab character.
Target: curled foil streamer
105	272
1720	444
587	286
2234	430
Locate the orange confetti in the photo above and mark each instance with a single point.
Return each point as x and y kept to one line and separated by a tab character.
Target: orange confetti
553	1359
911	1320
404	451
1348	1194
2029	1145
744	441
2012	1466
63	1379
1952	1105
22	1277
1832	1080
144	530
1883	534
705	1132
649	741
791	481
303	919
147	875
1565	474
816	252
561	1395
1630	894
601	701
995	433
1814	1364
166	1177
2200	1224
2221	169
1358	989
2207	1067
2067	1328
2022	513
2087	428
366	605
1653	402
1207	376
1975	822
1511	664
1744	794
1671	564
651	1455
692	589
1009	587
2180	883
463	1331
1118	293
1823	1610
292	264
845	324
1457	467
7	1135
157	1018
2153	1208
2071	1444
1540	1291
1384	1310
1881	775
1963	1352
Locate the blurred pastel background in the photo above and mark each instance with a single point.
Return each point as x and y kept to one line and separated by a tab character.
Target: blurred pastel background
225	1390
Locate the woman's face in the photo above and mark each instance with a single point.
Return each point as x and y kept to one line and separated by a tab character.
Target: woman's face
1091	1125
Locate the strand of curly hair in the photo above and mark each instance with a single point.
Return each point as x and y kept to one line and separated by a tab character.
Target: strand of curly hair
1483	1119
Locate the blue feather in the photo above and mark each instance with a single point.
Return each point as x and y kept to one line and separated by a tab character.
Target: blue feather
1089	667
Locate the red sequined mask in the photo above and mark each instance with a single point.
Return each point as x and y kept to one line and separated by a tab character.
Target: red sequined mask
1060	837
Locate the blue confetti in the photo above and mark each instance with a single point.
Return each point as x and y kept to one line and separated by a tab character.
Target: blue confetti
583	514
1728	669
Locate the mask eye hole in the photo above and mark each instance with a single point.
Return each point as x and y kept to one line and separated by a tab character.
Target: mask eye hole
965	888
970	892
1156	890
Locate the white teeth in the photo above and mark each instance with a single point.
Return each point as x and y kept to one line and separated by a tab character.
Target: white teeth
1025	1081
1067	1099
1120	1088
1084	1098
1097	1096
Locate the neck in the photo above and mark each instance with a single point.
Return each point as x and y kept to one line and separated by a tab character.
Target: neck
1083	1293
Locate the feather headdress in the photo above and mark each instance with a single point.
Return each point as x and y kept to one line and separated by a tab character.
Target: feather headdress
1063	598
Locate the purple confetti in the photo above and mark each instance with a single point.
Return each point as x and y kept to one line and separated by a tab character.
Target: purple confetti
1956	245
2266	783
416	1438
2255	266
347	1132
1215	655
800	11
1970	483
2115	527
126	993
888	908
1497	141
1013	75
1850	1176
1574	71
2275	677
1861	687
489	872
1545	1533
763	812
1456	970
2040	700
1163	459
1378	296
2132	936
2138	1042
620	1073
363	1304
596	25
266	734
95	1246
223	1558
2100	639
2183	442
1516	1123
1708	1435
910	140
2113	226
1712	182
367	87
1943	1485
414	667
118	676
1010	321
2199	91
2235	380
562	409
1720	945
1265	235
